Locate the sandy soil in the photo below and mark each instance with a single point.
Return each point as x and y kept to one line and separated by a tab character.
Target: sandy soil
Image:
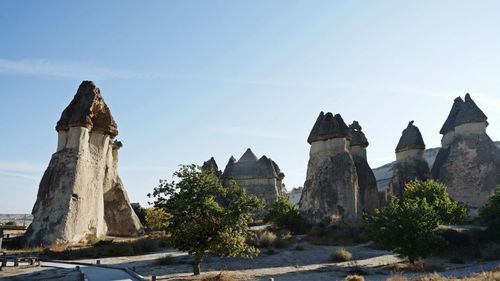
38	274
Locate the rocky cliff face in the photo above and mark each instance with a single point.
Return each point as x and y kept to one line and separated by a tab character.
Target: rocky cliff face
80	194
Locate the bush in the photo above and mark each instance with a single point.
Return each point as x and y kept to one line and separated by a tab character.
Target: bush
354	277
341	255
284	214
266	239
449	211
11	223
298	247
409	226
489	215
156	218
165	260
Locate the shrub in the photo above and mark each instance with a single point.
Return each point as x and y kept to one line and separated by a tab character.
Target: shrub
340	255
266	239
145	246
449	211
354	277
284	214
156	218
409	226
11	223
489	215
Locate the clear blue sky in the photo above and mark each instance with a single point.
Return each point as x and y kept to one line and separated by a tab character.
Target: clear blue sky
187	80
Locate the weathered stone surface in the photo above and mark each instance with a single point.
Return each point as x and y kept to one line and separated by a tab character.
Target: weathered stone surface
410	163
260	177
328	127
332	194
368	193
81	194
410	139
405	171
470	167
331	189
88	109
211	166
468	161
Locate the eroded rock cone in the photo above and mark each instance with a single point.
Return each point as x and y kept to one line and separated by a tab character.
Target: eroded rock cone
468	161
410	163
81	195
331	190
368	192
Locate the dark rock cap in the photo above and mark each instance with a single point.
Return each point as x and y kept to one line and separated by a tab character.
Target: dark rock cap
328	127
250	166
88	109
470	113
358	137
410	139
210	165
450	121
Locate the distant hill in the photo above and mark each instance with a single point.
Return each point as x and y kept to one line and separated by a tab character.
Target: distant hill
20	219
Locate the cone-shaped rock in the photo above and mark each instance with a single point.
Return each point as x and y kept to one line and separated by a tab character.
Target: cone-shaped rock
410	163
211	166
260	177
368	192
468	161
81	195
331	188
449	124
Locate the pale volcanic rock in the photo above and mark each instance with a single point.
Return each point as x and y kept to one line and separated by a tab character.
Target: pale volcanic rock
368	192
468	161
80	194
410	163
331	190
260	177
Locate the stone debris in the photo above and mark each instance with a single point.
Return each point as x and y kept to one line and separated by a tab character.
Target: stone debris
81	195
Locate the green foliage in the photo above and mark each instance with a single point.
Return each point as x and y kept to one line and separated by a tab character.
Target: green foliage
449	211
156	218
205	215
340	255
284	214
409	226
354	277
489	215
139	211
11	223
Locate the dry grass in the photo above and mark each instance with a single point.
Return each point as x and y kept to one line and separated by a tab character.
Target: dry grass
220	277
341	255
418	266
354	277
484	276
396	277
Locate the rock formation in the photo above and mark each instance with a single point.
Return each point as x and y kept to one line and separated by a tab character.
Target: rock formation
260	177
80	194
468	161
410	163
211	166
368	192
331	188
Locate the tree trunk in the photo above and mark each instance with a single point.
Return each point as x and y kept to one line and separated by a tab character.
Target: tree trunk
197	262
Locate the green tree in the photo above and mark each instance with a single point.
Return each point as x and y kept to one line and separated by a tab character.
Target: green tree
408	226
156	218
449	211
489	214
139	211
205	215
284	214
